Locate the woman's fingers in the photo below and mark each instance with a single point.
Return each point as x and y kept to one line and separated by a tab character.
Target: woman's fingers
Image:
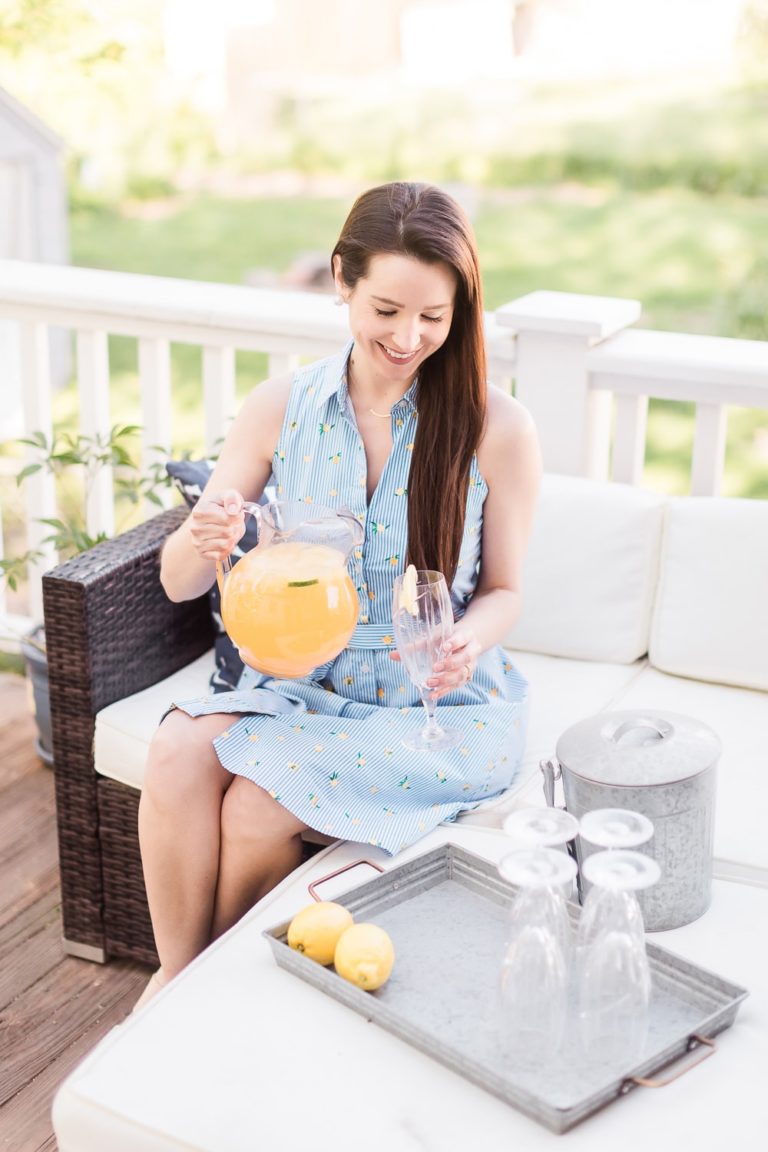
217	522
457	666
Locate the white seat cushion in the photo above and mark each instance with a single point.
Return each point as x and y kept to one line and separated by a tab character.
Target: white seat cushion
125	728
590	571
710	619
562	692
740	719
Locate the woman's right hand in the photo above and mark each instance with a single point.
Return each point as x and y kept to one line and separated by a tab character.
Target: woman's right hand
216	523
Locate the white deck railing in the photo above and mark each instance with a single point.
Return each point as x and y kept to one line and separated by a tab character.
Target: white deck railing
585	378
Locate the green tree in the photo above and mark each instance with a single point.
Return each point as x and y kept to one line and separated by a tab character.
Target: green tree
96	74
753	42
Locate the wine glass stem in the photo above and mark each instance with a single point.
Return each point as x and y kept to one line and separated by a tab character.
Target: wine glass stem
432	728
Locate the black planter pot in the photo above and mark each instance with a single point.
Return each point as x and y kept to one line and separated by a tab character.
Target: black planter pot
37	672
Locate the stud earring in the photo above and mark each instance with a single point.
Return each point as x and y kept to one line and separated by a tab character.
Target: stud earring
338	300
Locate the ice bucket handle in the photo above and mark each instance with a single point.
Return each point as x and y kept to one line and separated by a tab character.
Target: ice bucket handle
685	1060
551	771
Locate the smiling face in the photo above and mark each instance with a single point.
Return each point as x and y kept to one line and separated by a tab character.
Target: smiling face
399	314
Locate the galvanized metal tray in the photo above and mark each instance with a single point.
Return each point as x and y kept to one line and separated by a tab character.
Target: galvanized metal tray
445	912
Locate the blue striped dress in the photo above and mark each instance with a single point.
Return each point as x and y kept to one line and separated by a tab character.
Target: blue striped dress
328	747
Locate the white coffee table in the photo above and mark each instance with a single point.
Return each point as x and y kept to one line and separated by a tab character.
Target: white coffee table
238	1055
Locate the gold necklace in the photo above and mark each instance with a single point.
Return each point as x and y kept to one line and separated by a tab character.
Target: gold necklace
381	415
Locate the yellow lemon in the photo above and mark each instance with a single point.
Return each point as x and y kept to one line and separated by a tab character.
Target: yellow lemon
315	930
364	956
409	590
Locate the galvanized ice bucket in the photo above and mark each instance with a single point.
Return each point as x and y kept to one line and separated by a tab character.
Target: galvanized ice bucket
663	765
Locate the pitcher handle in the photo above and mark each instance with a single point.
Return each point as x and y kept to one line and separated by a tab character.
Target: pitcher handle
224	567
356	529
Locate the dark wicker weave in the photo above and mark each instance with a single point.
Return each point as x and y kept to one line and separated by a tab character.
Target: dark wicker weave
110	631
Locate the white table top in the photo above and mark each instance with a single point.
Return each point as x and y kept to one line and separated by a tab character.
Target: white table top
238	1055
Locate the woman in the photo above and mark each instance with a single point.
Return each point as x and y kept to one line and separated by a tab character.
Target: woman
448	485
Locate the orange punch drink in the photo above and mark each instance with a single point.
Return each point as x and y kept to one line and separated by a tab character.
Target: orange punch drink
289	608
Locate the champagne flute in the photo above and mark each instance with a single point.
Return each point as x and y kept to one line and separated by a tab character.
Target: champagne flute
422	625
613	979
535	966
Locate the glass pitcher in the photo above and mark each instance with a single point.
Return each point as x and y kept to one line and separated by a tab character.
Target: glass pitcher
289	604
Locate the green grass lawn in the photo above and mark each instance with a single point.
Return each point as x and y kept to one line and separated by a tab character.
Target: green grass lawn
692	259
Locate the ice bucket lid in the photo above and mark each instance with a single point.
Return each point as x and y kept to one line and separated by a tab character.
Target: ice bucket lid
636	748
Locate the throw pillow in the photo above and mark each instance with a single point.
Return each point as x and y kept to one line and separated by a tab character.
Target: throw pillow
191	477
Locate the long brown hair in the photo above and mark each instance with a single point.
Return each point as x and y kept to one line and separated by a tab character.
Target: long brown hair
423	222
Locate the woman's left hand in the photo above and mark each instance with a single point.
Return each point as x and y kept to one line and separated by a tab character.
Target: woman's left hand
458	665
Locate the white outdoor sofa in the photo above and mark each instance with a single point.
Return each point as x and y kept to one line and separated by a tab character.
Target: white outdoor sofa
631	601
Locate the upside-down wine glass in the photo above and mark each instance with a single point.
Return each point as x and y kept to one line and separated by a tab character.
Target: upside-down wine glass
537	952
422	627
613	980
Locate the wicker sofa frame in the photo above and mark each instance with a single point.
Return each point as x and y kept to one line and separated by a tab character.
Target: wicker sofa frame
110	631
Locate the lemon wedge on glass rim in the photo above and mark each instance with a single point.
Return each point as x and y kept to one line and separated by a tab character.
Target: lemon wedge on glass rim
408	596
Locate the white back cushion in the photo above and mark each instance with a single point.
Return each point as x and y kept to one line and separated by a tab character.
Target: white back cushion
710	620
590	571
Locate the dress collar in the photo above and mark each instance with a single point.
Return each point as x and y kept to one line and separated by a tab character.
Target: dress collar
335	377
336	382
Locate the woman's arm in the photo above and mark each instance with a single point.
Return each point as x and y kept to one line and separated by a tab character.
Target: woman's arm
217	522
510	462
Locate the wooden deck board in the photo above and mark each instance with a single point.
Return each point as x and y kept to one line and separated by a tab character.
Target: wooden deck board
53	1008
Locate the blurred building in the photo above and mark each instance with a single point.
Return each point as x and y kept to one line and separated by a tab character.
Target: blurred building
33	226
33	196
248	59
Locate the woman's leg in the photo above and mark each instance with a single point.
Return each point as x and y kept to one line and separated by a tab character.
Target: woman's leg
179	833
260	845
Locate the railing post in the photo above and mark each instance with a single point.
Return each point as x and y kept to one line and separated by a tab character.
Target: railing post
41	492
155	378
708	450
218	394
555	331
93	386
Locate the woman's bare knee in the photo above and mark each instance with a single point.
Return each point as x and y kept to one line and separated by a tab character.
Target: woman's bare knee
250	814
182	764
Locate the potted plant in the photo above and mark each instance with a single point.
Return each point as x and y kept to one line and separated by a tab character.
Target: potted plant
68	534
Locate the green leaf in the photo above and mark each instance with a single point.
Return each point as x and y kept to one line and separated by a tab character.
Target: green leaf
35	440
28	471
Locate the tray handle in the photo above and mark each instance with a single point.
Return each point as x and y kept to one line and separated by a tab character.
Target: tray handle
346	868
682	1063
